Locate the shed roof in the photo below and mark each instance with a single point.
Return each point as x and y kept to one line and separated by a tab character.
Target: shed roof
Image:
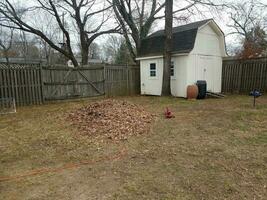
183	40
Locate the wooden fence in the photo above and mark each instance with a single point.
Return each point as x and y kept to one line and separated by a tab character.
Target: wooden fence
121	80
66	82
22	83
242	76
33	84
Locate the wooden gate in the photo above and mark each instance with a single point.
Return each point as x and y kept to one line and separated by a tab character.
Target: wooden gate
66	83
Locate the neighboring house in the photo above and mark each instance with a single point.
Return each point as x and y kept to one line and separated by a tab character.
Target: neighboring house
198	49
19	60
90	61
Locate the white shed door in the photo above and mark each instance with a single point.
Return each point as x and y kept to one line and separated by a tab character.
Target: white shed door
205	68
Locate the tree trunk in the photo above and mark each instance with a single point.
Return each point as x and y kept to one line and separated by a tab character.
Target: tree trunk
74	62
166	84
6	57
85	52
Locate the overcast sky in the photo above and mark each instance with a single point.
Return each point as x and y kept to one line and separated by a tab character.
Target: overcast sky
221	18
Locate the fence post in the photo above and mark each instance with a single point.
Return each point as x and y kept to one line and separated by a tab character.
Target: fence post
41	84
261	77
104	79
240	77
127	78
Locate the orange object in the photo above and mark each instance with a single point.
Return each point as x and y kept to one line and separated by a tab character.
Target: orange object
192	92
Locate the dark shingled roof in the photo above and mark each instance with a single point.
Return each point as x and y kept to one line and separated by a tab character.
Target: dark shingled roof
183	40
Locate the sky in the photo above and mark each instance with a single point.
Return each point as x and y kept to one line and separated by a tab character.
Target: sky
221	18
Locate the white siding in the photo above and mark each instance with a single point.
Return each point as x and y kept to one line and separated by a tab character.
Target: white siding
179	80
203	63
210	69
207	42
151	85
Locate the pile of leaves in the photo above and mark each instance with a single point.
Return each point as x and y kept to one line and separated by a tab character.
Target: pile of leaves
112	119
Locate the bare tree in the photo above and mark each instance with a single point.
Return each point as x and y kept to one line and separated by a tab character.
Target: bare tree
46	51
6	41
50	28
166	89
111	47
248	23
244	17
255	45
94	51
80	11
136	17
24	44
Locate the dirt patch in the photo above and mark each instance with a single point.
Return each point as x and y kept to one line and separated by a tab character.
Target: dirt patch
111	119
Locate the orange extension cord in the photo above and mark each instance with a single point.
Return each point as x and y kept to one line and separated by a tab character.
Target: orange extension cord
118	156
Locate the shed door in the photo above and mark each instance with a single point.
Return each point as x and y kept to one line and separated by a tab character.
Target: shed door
205	70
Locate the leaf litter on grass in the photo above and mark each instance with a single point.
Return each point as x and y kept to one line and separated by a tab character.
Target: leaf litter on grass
111	119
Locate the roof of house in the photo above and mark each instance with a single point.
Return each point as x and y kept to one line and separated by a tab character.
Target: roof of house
20	60
183	40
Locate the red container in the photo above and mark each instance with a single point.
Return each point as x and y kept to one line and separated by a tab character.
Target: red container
192	92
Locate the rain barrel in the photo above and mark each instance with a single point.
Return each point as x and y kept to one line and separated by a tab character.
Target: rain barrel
192	91
202	89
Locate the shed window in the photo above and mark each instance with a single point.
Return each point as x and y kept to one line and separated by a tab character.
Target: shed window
172	68
153	70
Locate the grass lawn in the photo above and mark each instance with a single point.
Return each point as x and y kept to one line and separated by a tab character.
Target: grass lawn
212	149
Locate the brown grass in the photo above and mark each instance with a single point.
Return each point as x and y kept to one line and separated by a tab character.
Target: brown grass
212	149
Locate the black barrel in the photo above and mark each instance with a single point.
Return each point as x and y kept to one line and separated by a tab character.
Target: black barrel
202	89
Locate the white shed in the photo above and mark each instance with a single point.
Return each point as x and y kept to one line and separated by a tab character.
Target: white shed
197	52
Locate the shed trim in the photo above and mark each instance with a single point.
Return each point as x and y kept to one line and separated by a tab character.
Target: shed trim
160	56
